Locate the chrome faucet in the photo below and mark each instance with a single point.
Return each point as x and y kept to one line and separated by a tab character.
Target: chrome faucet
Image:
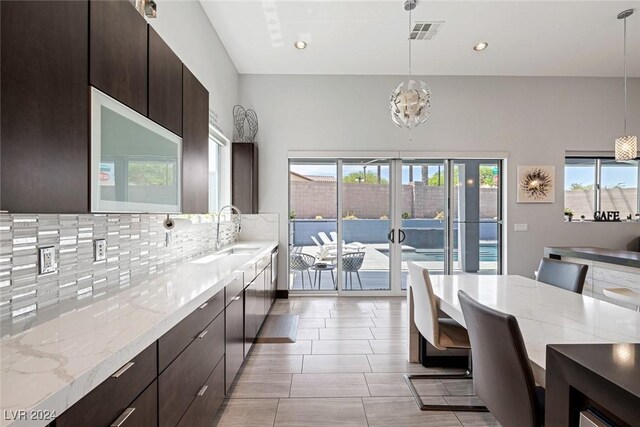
238	226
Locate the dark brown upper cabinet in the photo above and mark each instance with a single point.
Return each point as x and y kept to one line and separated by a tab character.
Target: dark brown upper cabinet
244	176
195	144
45	106
165	84
118	52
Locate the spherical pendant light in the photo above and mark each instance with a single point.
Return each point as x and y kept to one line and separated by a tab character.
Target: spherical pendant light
410	104
410	101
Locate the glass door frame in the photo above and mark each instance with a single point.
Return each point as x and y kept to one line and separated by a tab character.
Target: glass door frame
395	214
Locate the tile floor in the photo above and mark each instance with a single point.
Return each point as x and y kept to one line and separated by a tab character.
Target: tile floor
346	369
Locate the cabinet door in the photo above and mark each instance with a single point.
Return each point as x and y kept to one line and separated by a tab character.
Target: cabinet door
234	340
179	384
45	107
195	145
165	84
244	179
118	52
143	412
107	401
250	316
203	409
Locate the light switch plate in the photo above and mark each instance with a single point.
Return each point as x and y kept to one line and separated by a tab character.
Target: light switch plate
47	262
520	227
99	250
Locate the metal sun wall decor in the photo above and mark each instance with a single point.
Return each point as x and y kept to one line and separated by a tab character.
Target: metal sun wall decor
536	184
242	117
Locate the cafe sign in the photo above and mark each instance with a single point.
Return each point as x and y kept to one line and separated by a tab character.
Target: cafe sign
607	216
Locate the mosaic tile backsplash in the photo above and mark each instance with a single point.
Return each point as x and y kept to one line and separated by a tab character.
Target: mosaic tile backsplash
136	246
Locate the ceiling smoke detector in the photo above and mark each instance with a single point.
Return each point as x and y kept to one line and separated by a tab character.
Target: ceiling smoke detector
425	30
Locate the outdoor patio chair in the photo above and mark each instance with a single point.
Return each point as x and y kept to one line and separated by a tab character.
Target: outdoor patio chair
302	262
351	263
333	241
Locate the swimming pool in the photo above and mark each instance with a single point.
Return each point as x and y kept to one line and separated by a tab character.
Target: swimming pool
488	253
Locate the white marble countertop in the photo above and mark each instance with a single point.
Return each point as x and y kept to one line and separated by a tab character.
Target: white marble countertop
546	314
49	365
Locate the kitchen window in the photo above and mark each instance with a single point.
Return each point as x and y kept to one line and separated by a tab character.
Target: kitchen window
219	179
600	184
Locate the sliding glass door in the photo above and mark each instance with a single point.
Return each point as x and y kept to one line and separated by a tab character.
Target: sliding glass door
366	223
355	223
313	224
423	221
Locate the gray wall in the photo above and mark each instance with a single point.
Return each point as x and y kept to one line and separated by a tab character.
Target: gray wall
187	29
533	119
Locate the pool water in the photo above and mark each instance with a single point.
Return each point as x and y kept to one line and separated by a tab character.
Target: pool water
488	253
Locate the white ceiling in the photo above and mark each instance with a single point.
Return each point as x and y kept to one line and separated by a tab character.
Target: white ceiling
526	38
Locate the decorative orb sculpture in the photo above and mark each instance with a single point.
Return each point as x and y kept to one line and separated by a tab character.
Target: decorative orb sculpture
410	104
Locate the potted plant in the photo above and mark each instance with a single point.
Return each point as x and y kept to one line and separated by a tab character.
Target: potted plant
568	214
582	218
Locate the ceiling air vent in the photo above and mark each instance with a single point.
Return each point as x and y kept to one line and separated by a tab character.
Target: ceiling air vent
425	30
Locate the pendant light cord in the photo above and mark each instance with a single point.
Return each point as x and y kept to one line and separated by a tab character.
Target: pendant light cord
625	76
409	82
410	30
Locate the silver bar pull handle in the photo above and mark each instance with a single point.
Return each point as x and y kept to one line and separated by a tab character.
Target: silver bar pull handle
123	417
203	390
122	370
236	298
203	306
202	334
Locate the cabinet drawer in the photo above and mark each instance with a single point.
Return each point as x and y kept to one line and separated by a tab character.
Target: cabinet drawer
105	403
181	381
249	274
263	263
171	344
207	400
143	412
234	288
234	339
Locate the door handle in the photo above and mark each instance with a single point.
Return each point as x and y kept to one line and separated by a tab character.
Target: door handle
391	235
401	235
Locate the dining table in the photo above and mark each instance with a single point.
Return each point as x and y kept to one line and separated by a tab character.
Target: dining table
546	314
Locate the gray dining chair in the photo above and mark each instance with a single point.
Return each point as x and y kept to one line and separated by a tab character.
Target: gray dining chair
562	274
302	262
502	377
442	333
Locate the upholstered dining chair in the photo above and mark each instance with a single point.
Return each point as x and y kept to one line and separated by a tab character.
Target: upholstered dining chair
562	274
502	377
442	333
302	262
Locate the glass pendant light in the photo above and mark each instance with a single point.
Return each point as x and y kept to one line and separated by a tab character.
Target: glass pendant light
626	146
410	101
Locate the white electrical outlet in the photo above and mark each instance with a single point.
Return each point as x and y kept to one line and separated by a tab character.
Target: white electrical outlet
99	250
47	260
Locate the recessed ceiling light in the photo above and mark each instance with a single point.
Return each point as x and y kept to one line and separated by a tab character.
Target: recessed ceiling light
480	46
300	44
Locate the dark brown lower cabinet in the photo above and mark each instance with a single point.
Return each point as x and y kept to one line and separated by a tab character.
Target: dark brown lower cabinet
207	401
179	384
171	344
107	401
143	412
250	315
202	359
234	340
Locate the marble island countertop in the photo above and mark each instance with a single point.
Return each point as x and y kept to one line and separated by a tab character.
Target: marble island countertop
611	256
51	363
